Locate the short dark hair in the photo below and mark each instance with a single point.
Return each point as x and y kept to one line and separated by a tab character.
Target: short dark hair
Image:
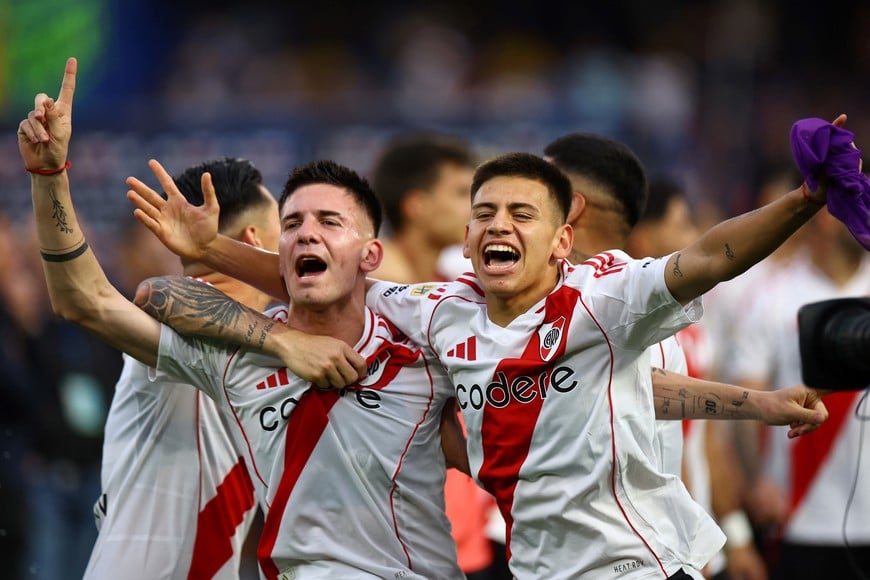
236	182
331	173
531	167
606	162
661	191
413	161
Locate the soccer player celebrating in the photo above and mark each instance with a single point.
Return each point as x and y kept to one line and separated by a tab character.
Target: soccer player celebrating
351	481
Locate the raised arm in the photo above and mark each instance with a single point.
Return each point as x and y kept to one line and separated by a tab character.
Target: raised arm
195	308
733	246
680	397
77	285
191	232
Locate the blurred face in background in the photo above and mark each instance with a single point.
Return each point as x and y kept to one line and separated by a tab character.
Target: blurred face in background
676	229
443	209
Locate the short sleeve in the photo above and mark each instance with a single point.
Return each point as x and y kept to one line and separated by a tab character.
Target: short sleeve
192	361
630	299
407	306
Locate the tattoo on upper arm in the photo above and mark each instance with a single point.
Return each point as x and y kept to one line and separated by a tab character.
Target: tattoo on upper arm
58	212
677	271
658	371
194	307
729	253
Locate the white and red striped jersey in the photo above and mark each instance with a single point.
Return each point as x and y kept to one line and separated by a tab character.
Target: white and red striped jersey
816	471
560	418
177	499
351	481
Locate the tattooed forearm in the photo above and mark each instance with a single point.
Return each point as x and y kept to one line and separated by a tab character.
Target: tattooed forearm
677	271
192	307
264	332
669	403
709	405
729	253
680	397
673	403
58	212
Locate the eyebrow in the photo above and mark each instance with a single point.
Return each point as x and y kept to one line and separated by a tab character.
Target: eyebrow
511	206
321	213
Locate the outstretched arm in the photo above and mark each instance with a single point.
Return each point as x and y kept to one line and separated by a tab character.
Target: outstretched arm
680	397
195	308
77	285
733	246
191	232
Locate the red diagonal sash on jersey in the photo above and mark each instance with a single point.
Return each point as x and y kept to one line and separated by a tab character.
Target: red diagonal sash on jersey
218	520
507	432
811	450
385	364
304	428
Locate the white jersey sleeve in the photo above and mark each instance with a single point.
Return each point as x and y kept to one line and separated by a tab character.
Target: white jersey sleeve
407	306
630	298
194	361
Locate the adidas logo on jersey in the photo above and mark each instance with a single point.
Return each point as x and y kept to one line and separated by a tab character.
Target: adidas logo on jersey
465	350
605	263
274	380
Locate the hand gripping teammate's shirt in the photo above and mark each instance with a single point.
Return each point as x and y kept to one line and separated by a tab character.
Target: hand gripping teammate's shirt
351	482
177	498
560	417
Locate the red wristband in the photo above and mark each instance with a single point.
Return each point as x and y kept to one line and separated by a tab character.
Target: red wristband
66	166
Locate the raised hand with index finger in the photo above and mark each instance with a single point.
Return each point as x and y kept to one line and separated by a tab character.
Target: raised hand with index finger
43	137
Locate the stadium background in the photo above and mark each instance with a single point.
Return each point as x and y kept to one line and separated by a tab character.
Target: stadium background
704	91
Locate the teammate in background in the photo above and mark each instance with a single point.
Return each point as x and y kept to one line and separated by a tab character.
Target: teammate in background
616	531
609	196
711	470
813	493
423	180
351	481
177	497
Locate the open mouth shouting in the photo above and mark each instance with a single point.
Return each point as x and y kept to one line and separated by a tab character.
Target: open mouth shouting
500	256
309	266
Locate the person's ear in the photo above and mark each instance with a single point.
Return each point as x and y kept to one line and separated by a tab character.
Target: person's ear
578	205
563	242
372	255
466	251
251	236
